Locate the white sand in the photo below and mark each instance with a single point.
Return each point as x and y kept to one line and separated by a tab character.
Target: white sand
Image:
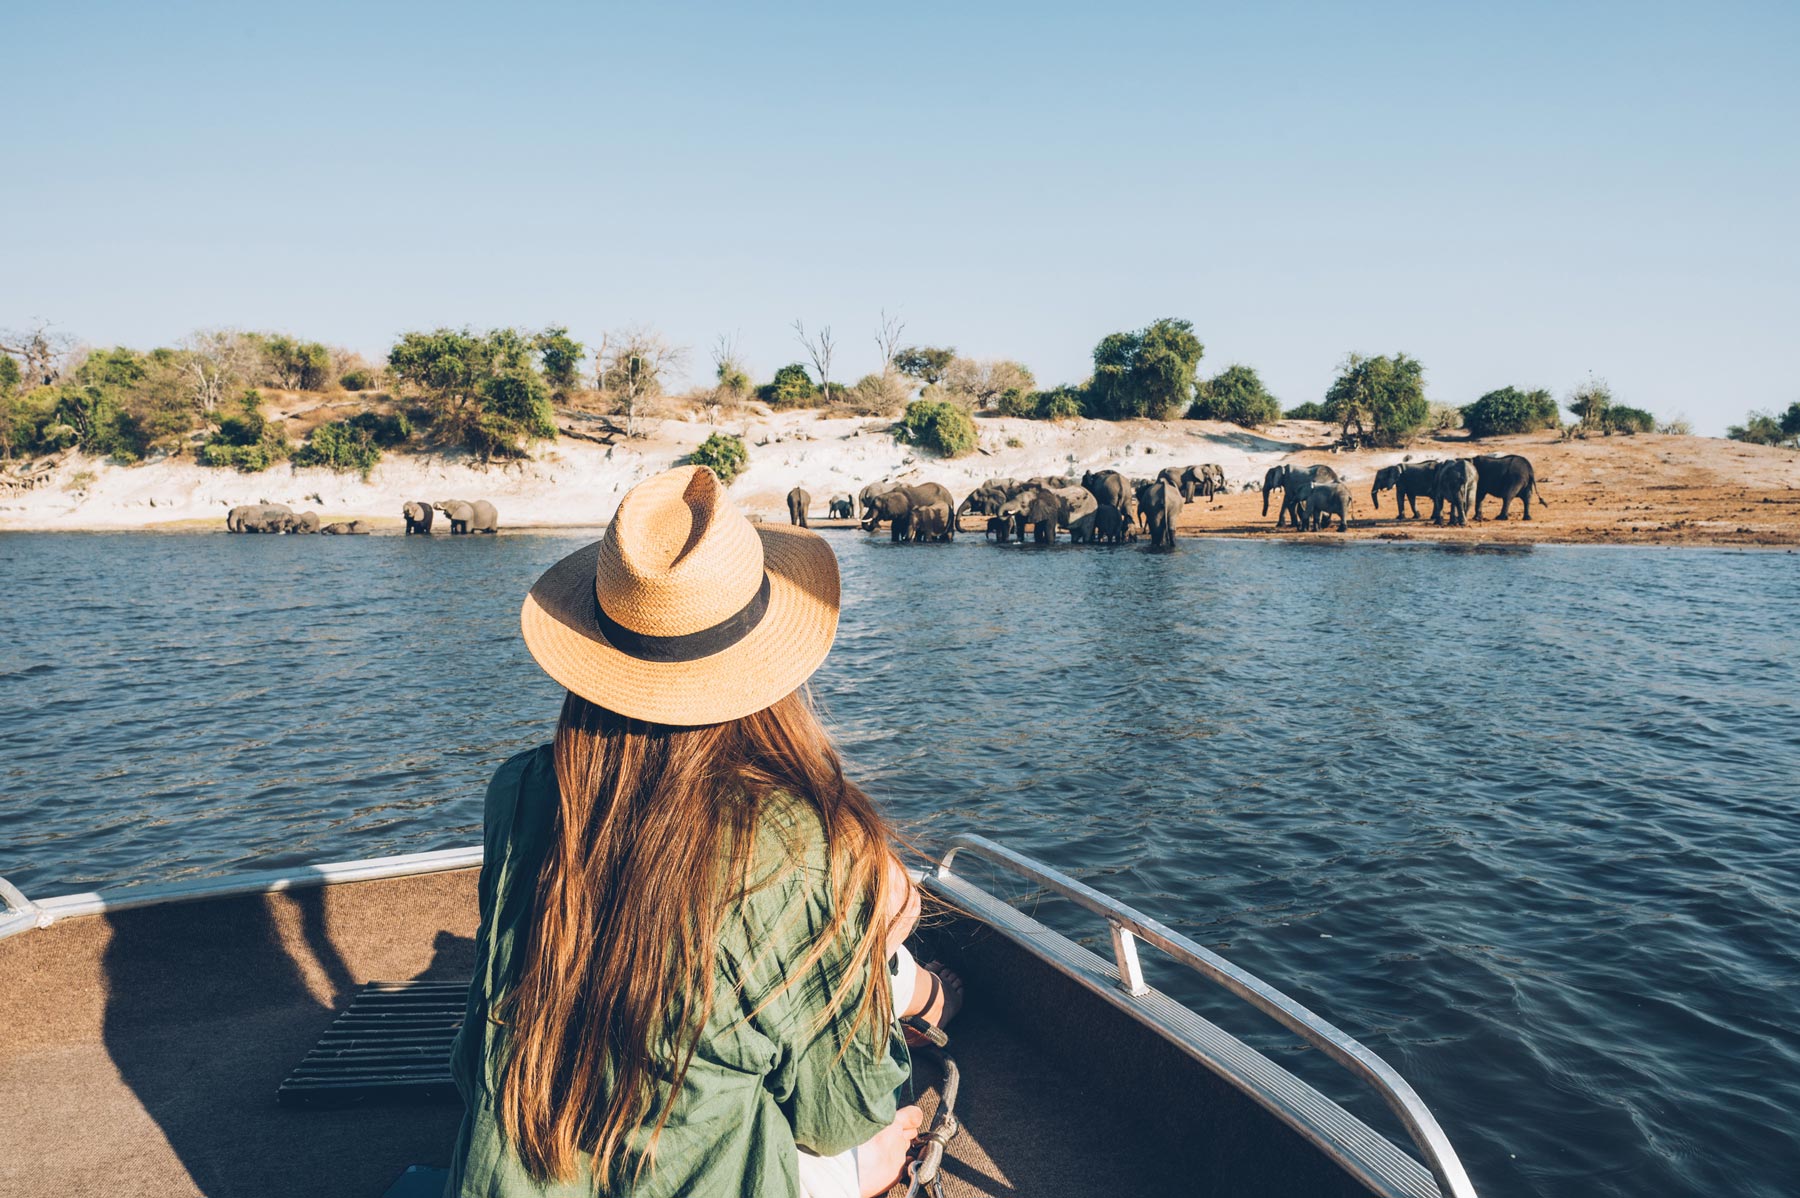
572	482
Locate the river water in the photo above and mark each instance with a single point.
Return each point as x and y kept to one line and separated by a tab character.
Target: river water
1523	821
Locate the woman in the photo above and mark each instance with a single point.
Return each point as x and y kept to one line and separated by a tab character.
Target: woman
687	912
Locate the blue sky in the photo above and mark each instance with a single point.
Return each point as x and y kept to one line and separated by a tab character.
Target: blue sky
1515	194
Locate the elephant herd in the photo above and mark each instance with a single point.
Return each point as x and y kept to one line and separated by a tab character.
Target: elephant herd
464	517
1312	495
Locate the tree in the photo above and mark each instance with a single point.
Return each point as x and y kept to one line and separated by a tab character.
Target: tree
1759	428
1628	420
1510	410
732	381
638	360
983	383
217	361
1384	396
296	365
1236	394
41	352
1590	402
484	390
1148	373
10	375
819	349
887	340
923	362
1312	409
562	356
722	453
792	387
1790	422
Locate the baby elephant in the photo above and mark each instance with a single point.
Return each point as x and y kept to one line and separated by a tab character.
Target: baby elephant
842	509
1454	487
346	528
931	522
1326	500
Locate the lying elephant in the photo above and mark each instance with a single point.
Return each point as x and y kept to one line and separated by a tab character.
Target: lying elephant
931	522
1453	487
419	515
305	522
345	528
1325	500
258	517
797	503
466	517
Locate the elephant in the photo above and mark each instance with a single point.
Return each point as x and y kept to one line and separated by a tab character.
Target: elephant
798	501
1077	512
466	517
840	509
347	528
901	502
867	496
986	499
1039	507
1209	480
1325	500
1509	476
419	515
931	522
1410	482
1293	482
999	528
1111	526
1108	486
258	517
1454	487
1160	503
305	522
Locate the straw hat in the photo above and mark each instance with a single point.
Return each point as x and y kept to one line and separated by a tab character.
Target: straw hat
685	612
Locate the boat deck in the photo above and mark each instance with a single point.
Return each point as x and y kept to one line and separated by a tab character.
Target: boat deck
143	1056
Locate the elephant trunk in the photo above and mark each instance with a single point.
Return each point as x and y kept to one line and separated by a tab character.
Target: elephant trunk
1375	497
1266	490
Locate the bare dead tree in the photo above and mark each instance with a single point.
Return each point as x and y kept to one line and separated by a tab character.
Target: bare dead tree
602	360
40	350
819	349
636	361
731	381
215	361
887	339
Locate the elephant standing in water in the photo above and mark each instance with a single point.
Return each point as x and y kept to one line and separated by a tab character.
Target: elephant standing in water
1454	487
419	516
1410	482
898	504
1507	475
466	517
259	517
1293	482
931	522
1039	507
798	501
1325	500
1111	526
1160	504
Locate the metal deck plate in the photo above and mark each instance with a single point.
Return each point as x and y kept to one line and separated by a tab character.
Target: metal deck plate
391	1045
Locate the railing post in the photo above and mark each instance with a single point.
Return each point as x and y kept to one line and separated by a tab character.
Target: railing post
1131	974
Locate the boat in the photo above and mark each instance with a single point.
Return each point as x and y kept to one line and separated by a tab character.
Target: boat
286	1033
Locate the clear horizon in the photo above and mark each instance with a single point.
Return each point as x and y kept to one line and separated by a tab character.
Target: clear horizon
1515	198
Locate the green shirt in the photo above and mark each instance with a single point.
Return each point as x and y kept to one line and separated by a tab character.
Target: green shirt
759	1084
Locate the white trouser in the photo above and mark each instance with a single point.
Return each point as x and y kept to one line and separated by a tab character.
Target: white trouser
835	1176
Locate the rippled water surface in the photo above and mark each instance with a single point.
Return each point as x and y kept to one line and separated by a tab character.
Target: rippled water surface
1525	822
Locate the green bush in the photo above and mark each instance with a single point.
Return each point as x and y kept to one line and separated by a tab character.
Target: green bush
250	459
791	388
1146	373
10	376
339	446
1236	395
1627	420
1759	428
1015	401
1062	403
939	426
1383	396
360	379
385	431
1310	410
1510	410
723	453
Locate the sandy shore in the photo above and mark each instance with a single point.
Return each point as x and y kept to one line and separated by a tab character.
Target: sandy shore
1643	489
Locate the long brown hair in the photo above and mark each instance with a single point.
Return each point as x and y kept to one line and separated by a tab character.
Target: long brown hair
654	830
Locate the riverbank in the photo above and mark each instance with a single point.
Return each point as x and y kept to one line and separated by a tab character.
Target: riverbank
1647	489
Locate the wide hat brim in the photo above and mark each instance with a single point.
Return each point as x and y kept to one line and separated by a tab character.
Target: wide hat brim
561	624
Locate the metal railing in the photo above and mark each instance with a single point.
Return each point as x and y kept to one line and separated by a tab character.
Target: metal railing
1129	925
19	914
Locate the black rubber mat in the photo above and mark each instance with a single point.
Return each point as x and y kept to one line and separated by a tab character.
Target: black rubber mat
391	1045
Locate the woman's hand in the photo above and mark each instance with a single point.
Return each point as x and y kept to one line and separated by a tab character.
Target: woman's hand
903	904
880	1162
